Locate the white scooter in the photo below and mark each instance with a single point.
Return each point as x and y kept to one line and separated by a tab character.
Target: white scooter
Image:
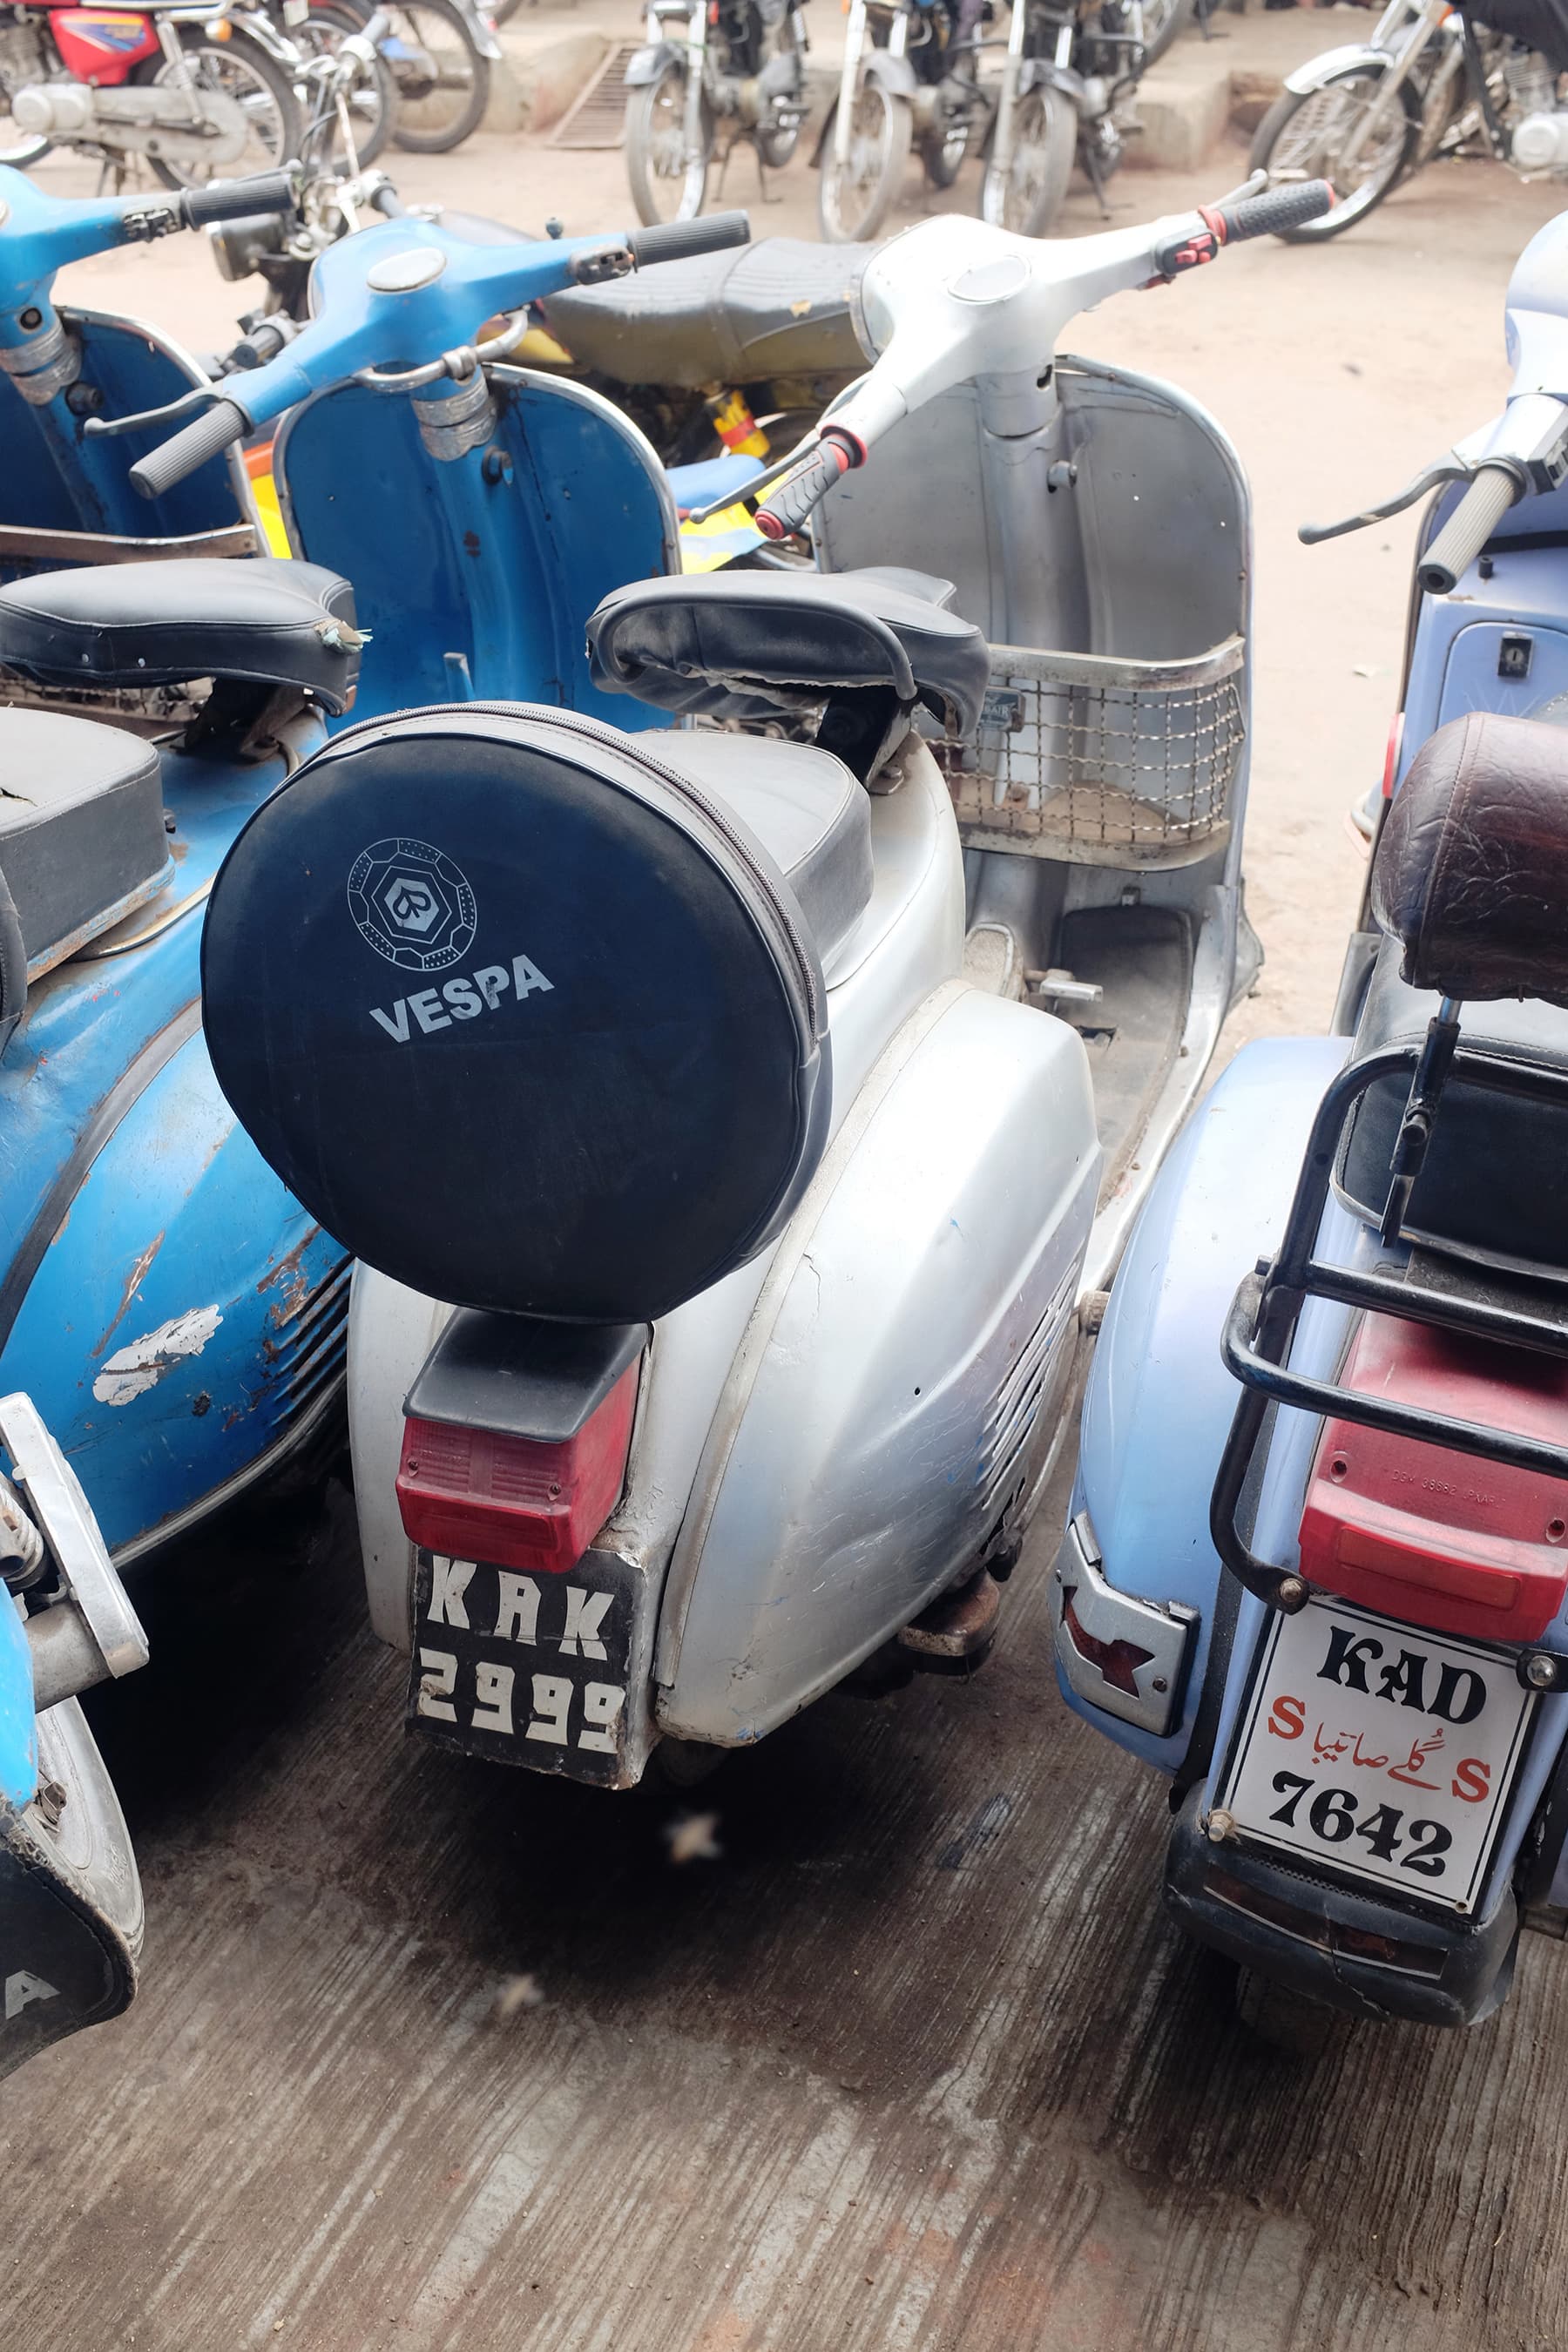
764	1203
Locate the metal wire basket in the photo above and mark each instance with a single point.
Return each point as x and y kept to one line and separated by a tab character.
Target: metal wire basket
1103	760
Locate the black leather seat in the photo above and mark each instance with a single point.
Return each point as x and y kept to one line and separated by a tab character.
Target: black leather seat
781	307
1471	885
270	623
745	645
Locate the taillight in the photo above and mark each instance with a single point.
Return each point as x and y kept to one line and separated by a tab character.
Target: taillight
478	1493
1457	1543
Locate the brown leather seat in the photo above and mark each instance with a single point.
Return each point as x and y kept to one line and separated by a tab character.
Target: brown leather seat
1472	868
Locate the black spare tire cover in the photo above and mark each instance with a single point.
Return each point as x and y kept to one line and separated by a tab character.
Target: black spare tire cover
519	1015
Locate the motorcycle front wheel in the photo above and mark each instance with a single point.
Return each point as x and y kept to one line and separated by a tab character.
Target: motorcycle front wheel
1162	20
239	68
372	102
1028	195
443	83
1303	136
667	184
777	146
855	197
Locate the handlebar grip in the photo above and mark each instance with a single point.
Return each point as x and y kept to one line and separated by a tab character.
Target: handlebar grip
1276	211
681	240
1468	530
268	192
787	504
225	422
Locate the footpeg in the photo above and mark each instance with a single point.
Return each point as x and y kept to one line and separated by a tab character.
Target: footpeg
953	1637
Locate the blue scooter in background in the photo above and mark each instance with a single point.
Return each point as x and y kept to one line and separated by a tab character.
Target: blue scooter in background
1317	1564
70	1900
177	1316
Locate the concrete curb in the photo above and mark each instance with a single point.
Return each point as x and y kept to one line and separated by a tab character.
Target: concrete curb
540	78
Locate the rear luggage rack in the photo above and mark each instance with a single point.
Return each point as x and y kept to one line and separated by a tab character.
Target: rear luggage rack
1263	1316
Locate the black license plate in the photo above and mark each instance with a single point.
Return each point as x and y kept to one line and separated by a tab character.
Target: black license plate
524	1669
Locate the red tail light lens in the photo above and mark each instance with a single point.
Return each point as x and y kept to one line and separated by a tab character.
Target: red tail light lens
518	1502
1447	1540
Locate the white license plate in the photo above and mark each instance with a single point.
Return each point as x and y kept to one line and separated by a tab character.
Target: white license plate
1379	1751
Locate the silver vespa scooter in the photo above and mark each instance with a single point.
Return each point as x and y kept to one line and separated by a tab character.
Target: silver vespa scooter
677	1063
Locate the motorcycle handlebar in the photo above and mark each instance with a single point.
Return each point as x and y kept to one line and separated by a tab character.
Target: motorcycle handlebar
225	422
1468	530
682	240
1276	211
786	507
268	192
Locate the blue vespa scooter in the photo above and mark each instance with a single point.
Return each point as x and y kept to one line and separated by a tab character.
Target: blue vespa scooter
176	1315
1317	1565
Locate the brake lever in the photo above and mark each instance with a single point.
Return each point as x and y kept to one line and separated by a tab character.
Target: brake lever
755	484
1431	478
104	426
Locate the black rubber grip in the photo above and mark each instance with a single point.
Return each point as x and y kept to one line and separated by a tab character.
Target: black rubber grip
1467	530
268	192
225	422
1276	211
789	502
680	240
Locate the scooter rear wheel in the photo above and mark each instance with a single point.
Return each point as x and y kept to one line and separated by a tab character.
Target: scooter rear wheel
667	184
1027	197
855	198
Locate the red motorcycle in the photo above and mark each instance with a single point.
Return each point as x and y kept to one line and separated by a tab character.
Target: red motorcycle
202	89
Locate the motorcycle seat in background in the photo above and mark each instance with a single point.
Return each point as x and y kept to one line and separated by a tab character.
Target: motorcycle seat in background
744	646
781	307
81	829
267	621
530	1014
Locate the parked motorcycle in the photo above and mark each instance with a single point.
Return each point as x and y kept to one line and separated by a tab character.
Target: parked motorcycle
201	90
909	76
1430	80
439	54
1063	96
1330	1604
70	1900
706	81
765	1196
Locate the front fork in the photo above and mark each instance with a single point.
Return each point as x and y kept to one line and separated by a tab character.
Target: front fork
849	82
1388	88
696	70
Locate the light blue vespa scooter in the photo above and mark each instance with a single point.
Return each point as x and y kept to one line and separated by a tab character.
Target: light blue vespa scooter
1317	1566
177	1316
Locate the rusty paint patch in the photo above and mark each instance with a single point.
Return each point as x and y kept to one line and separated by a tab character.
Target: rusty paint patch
137	1277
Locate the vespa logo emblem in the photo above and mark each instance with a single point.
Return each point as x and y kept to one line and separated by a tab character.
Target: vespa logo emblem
412	904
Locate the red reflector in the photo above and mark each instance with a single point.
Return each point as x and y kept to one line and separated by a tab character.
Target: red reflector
1447	1540
517	1502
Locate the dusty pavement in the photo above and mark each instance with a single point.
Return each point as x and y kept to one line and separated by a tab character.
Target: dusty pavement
915	2063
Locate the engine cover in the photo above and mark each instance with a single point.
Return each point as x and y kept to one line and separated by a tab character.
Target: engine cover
1539	144
152	121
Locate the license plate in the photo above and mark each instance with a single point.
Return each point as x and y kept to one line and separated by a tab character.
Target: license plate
1378	1750
524	1669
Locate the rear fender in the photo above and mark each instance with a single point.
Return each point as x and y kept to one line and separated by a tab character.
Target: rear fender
1317	71
1160	1402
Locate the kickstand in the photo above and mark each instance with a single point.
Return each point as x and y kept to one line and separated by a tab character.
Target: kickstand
763	195
1095	180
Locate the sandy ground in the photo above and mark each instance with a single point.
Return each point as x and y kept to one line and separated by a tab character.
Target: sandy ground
915	2064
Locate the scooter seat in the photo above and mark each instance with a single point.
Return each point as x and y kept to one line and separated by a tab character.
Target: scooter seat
270	622
806	810
746	645
781	307
81	829
1471	885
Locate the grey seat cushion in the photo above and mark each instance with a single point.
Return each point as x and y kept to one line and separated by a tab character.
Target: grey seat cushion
81	828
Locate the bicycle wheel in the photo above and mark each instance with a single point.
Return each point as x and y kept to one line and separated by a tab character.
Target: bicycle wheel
1162	20
854	197
667	184
1028	195
443	83
372	102
1302	137
239	68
